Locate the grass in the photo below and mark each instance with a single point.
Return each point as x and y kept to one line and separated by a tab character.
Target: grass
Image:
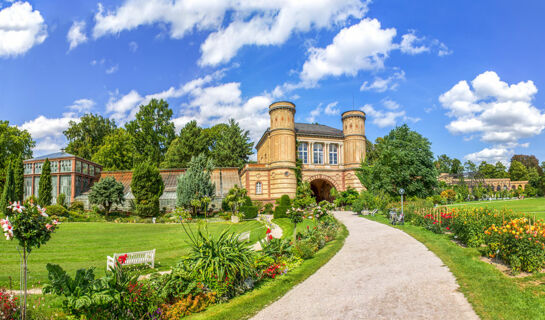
287	226
248	304
86	244
530	206
492	294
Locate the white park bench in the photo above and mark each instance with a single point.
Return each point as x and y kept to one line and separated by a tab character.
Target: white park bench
245	236
140	257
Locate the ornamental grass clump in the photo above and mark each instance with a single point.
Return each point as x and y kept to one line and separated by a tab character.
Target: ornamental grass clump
518	243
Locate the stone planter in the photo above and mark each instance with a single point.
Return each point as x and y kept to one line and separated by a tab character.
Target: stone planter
235	219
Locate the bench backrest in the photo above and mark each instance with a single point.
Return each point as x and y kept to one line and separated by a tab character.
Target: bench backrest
245	236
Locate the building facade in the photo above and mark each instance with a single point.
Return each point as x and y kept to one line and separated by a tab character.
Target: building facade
497	184
329	156
70	175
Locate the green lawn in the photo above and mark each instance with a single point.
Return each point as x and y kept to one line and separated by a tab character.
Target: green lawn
287	226
492	294
530	206
86	244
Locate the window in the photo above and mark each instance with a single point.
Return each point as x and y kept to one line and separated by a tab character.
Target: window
66	165
302	152
78	166
36	186
54	188
333	157
66	187
28	169
28	187
91	170
54	166
85	168
318	153
38	168
258	188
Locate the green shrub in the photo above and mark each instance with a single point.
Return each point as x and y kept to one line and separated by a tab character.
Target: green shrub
77	206
76	216
268	209
285	201
56	210
280	211
61	200
304	249
250	212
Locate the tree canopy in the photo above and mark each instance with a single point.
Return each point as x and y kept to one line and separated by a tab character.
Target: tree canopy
191	142
86	136
152	131
147	186
117	152
195	183
405	160
529	161
517	171
45	186
107	192
14	142
232	146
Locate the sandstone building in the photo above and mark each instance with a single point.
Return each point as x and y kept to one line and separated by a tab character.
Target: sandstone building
329	156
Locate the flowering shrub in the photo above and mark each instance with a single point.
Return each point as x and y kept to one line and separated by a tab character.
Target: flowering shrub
188	305
519	243
122	259
8	305
274	270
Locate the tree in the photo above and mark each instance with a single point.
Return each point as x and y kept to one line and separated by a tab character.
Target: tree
370	151
529	161
195	183
405	161
500	170
443	164
8	193
232	146
536	182
13	143
456	167
486	170
236	198
86	136
107	192
152	131
147	187
45	187
517	171
19	179
117	152
191	142
470	166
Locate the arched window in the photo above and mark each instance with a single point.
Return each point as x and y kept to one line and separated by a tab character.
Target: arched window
258	188
318	153
302	152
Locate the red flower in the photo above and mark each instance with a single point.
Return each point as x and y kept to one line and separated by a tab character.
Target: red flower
270	237
448	228
122	259
268	230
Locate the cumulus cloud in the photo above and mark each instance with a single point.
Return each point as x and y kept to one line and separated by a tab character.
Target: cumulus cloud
384	118
233	23
363	46
82	105
411	44
21	28
76	35
381	85
331	109
498	113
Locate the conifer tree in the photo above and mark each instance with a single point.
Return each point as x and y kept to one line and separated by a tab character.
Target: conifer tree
147	187
45	187
19	179
8	194
195	183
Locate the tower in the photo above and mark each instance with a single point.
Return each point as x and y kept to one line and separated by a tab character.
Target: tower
354	138
282	145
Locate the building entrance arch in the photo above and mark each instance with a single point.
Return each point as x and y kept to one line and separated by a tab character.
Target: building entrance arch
321	186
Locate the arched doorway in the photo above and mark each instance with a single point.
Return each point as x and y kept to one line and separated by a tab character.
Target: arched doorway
321	189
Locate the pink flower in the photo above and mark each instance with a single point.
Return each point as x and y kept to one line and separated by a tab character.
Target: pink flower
42	212
48	226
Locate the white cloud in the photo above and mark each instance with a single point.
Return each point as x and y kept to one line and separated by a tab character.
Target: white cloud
381	85
76	35
42	127
133	46
411	44
498	113
21	28
383	118
112	69
82	105
233	23
125	108
491	155
331	109
363	46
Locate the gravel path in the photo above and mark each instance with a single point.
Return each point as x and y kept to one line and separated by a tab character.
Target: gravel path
380	273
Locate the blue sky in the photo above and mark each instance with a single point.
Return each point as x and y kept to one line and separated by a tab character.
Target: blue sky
467	74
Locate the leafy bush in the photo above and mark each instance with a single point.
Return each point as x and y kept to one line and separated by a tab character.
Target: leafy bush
519	243
280	211
189	304
180	282
77	206
276	248
268	209
304	249
284	201
8	305
57	210
147	187
250	212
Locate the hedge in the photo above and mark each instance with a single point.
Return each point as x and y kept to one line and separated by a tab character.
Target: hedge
56	210
250	212
280	211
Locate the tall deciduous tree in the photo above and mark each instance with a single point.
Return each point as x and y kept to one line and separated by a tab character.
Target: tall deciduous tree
529	161
13	142
232	146
147	187
487	170
8	193
501	170
191	142
117	152
19	179
517	171
195	183
470	166
152	131
443	164
456	167
405	161
86	136
107	192
45	187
